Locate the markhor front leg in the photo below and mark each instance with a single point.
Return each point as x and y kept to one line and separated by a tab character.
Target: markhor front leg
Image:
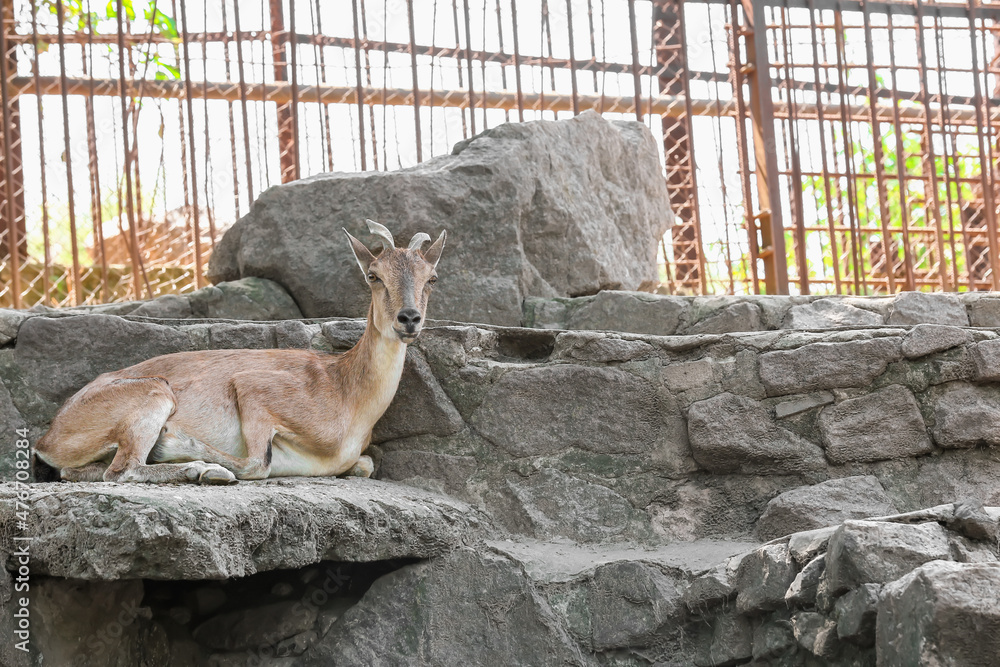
167	473
363	468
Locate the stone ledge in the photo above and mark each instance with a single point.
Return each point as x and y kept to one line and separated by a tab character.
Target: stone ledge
108	531
665	315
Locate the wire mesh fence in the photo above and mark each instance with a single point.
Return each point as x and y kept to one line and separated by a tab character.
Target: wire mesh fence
809	146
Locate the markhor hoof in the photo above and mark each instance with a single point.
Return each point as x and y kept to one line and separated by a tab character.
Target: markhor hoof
219	476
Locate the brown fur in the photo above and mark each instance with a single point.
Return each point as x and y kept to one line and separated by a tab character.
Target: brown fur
220	415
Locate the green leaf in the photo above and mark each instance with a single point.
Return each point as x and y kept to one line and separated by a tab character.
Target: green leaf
174	72
112	9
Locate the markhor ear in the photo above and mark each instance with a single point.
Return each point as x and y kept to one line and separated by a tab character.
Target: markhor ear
433	254
361	253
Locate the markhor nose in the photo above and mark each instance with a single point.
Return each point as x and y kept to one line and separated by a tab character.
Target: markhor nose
410	318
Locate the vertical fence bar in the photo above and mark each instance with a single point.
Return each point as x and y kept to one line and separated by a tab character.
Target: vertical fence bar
854	216
798	207
503	65
209	169
13	245
989	204
636	80
95	173
64	90
243	101
930	160
129	204
572	57
196	226
950	174
358	88
321	66
47	253
292	45
822	148
517	62
765	150
888	254
904	219
416	85
736	76
468	62
230	105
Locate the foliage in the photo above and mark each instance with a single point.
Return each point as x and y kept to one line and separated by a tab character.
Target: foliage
78	15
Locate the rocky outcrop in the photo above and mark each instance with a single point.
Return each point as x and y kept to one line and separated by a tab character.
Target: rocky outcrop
531	209
900	590
925	616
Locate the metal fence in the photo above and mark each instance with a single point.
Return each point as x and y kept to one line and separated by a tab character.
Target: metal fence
808	145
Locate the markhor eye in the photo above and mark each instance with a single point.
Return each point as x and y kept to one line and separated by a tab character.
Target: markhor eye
433	280
372	278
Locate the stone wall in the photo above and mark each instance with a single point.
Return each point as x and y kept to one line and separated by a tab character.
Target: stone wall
566	497
600	437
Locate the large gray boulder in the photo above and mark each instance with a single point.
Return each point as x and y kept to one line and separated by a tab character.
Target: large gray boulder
562	208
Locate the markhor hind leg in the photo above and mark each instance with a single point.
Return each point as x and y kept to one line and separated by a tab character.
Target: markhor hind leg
136	440
176	446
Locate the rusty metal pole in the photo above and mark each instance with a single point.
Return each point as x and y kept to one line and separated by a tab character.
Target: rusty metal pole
287	150
636	79
78	297
888	253
361	97
9	165
758	76
416	85
736	75
196	227
797	204
985	173
672	74
929	157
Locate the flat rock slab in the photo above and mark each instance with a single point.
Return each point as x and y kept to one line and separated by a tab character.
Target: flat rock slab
129	531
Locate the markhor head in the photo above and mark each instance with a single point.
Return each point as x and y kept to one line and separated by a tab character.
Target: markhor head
401	280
